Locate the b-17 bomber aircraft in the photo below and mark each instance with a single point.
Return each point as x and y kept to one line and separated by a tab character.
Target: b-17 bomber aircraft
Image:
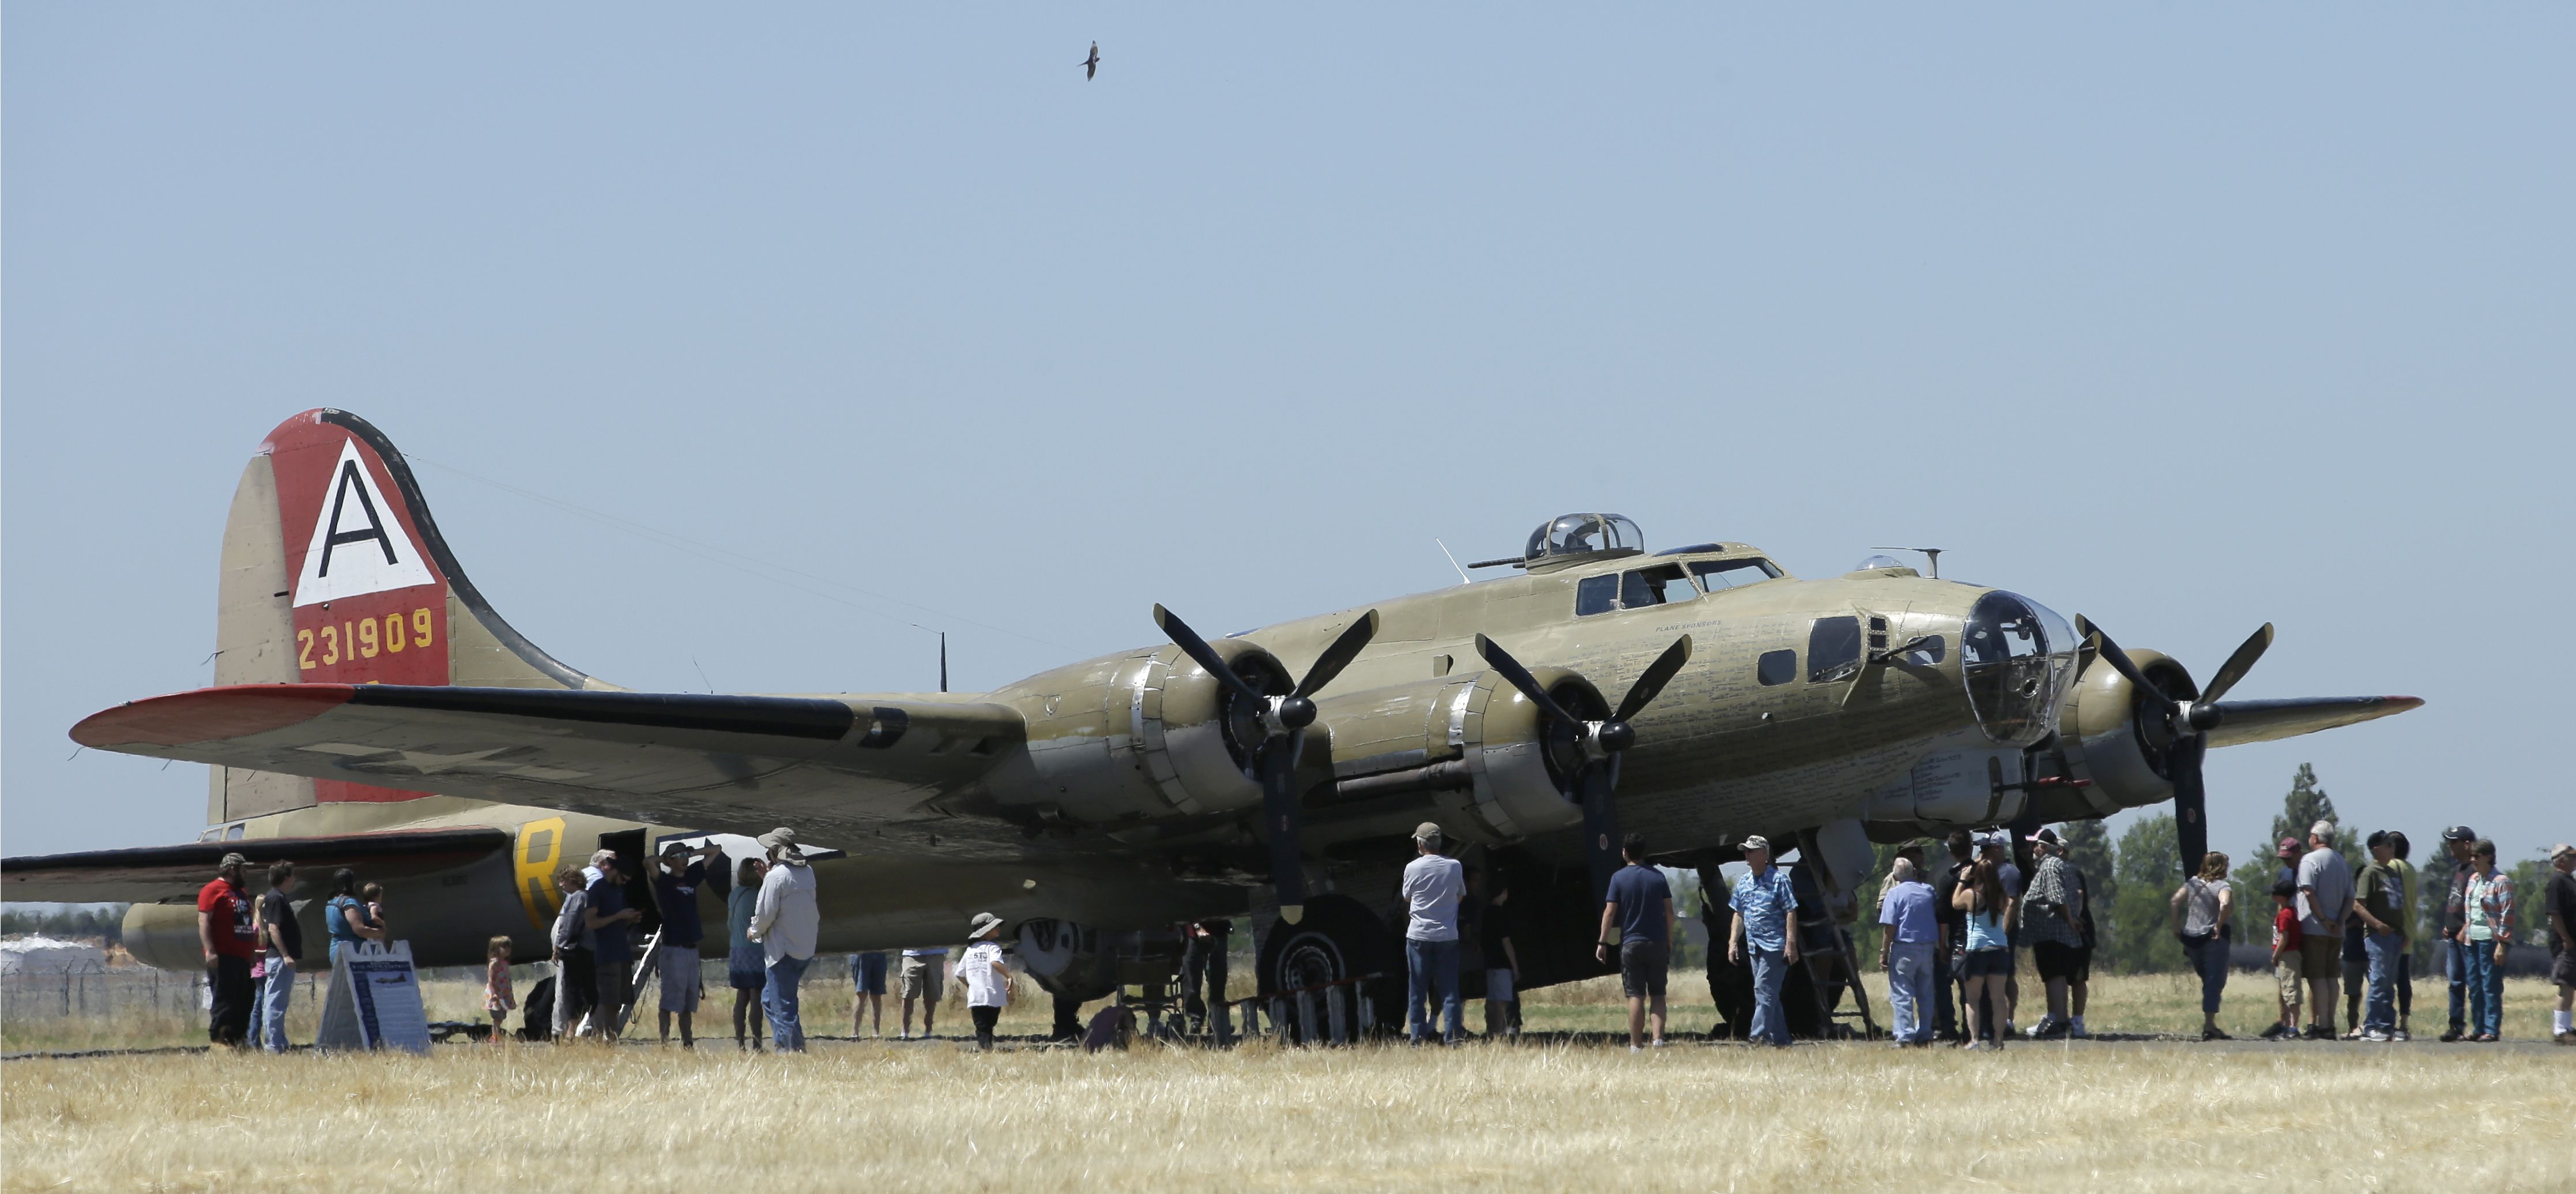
371	710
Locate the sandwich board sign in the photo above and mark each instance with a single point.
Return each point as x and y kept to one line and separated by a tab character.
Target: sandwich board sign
374	1001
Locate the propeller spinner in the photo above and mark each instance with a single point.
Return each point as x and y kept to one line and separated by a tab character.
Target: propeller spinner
2186	724
1602	743
1284	720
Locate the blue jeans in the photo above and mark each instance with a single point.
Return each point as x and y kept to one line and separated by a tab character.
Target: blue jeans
1431	973
1945	997
2209	960
1910	981
2455	967
2380	1014
2486	988
778	1000
1769	968
268	1019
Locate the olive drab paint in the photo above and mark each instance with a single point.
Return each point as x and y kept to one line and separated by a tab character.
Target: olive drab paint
364	686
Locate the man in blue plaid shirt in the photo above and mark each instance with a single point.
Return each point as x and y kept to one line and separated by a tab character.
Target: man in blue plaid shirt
1765	910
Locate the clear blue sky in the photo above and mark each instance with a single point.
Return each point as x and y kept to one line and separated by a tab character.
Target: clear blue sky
2185	318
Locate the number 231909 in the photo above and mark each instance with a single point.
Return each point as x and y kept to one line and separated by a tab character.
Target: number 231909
363	638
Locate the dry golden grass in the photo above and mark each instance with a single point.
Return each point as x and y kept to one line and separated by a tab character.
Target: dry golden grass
939	1117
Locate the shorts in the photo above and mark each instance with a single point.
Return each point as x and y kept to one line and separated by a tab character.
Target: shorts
1498	983
1641	968
609	978
921	977
867	973
1988	963
2083	965
2320	958
2562	969
747	968
2286	973
681	986
2056	959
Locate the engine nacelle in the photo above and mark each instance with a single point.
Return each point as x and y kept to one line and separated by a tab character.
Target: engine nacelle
1498	768
2105	740
1141	736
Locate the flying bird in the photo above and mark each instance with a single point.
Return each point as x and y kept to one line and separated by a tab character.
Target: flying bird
1091	65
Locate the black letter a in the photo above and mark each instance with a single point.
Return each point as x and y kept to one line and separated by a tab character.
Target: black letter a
351	482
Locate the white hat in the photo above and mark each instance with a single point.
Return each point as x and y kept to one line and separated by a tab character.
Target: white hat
1755	842
983	924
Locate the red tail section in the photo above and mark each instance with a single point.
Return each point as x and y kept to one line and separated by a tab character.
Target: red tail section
335	573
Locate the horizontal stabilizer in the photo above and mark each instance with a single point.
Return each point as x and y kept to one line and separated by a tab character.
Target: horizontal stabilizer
2242	722
738	763
171	872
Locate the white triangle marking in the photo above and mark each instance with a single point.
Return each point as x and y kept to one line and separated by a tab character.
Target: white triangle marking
358	545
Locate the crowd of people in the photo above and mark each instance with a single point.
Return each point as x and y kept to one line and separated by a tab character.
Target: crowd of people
1950	943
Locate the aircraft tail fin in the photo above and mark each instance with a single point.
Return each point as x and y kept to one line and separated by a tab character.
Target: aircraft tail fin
333	571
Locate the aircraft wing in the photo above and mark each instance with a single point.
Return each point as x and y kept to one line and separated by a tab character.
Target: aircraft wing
176	872
2242	722
738	763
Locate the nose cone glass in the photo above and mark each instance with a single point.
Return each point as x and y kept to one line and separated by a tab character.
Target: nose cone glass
2018	658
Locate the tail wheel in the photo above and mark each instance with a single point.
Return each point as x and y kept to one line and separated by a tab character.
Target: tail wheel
1336	939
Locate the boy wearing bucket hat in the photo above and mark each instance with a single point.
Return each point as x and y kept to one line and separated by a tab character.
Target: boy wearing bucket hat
987	980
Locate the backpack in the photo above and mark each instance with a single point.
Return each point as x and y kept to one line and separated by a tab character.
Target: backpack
1112	1028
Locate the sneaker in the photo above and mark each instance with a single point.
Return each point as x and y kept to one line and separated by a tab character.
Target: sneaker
2317	1032
2276	1031
1658	1043
2076	1030
2212	1034
1636	1048
2376	1037
2451	1034
2562	1038
2400	1036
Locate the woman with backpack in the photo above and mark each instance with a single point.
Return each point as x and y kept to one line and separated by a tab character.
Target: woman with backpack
345	918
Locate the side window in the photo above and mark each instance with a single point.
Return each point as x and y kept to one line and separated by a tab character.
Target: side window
1655	586
1777	667
1833	649
1935	648
1596	595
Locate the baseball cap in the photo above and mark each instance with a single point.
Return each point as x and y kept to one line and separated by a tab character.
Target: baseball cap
1426	831
2561	848
231	860
2289	847
2459	833
1755	842
2284	887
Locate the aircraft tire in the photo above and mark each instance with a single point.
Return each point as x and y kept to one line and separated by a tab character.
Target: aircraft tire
1337	938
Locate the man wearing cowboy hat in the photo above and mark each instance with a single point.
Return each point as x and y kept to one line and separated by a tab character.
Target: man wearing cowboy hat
987	981
224	933
784	923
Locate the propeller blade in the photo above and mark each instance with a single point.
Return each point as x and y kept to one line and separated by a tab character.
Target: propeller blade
2191	801
1601	824
1339	655
2238	664
2120	663
1501	660
1651	683
1205	656
1279	817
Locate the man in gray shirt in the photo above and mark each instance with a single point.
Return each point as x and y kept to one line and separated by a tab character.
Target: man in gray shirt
1432	885
2325	901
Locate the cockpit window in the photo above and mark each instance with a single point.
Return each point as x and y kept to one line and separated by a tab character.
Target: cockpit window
1655	586
1833	649
1718	575
1637	589
2018	658
1596	595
